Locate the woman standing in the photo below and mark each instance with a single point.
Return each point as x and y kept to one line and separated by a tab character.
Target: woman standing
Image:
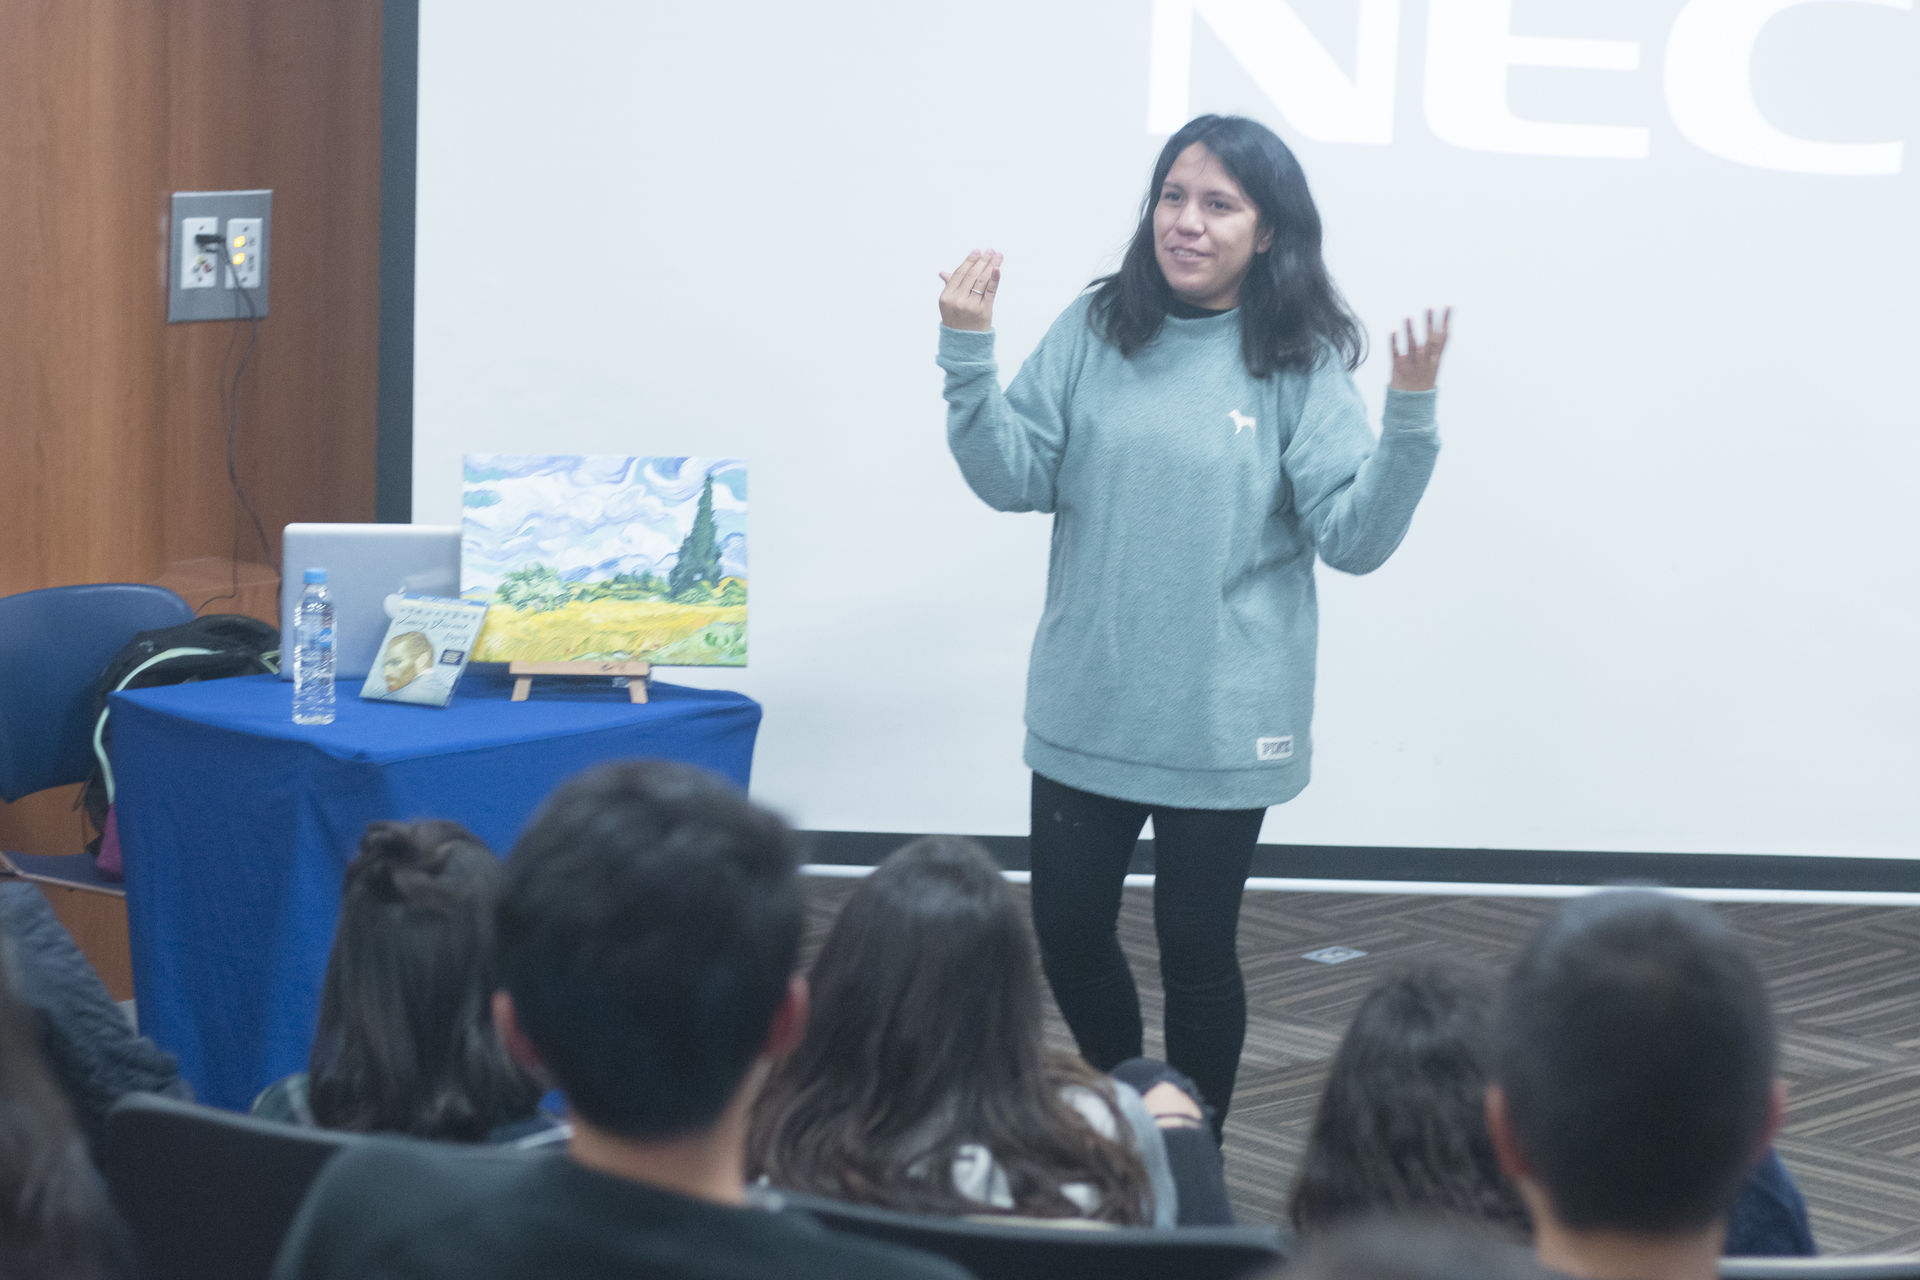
1193	426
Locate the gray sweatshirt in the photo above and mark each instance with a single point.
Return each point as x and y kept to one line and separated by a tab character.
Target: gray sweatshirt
1174	663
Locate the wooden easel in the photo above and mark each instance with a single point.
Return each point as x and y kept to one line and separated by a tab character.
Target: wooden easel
635	672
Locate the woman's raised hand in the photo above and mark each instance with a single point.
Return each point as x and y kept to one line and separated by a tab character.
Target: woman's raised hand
967	301
1417	365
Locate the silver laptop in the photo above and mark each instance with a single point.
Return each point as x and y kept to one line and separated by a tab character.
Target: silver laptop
365	564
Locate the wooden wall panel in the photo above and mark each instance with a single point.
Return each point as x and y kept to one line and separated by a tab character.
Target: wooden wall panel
304	122
79	373
113	446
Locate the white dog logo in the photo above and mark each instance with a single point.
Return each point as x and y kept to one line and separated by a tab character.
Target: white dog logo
1241	422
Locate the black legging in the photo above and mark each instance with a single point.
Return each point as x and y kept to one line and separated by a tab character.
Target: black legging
1193	1156
1080	847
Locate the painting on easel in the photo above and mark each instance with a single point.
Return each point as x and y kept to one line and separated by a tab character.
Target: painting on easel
594	558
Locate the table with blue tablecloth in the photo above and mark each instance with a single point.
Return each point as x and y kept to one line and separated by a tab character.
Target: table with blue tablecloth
236	825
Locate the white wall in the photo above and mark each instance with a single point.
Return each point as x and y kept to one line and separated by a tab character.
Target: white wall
1662	593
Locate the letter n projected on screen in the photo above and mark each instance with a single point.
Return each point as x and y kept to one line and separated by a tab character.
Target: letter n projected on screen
1291	67
1707	79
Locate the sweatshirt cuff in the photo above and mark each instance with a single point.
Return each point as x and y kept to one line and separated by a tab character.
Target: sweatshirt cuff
965	346
1409	410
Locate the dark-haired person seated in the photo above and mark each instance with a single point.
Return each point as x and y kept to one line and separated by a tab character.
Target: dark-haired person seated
406	1042
1634	1086
647	934
56	1222
924	1082
1401	1126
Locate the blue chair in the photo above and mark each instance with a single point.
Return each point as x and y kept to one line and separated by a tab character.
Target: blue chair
207	1194
53	645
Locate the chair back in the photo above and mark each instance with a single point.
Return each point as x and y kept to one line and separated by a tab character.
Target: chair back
208	1194
53	645
1857	1267
1024	1249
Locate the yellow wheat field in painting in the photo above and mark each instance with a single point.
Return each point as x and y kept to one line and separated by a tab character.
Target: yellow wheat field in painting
680	634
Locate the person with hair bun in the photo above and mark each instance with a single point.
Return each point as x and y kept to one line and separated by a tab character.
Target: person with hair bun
1192	425
406	1042
646	936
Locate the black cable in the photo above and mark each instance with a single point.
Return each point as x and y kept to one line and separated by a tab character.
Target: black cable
233	525
230	403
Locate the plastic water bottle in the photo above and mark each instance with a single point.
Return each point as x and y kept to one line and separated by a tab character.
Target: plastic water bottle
313	652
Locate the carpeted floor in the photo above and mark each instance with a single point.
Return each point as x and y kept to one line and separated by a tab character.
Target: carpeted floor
1845	984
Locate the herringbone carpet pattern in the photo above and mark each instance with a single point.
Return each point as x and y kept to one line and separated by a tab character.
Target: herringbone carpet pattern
1846	989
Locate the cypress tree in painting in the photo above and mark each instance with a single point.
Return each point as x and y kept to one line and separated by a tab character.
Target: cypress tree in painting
699	559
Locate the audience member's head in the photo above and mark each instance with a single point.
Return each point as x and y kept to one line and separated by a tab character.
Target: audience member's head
406	1042
1633	1061
927	1038
56	1222
648	935
1401	1126
1410	1248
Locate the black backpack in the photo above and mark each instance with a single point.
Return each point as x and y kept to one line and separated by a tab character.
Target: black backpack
210	648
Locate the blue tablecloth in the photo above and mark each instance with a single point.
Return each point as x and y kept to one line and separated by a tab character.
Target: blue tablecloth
236	825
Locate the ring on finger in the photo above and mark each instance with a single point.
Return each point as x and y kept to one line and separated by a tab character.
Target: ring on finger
976	291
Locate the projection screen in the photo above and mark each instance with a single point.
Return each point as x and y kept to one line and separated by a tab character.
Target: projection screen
1661	595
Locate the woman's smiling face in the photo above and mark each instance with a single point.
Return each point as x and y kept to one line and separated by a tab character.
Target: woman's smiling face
1205	231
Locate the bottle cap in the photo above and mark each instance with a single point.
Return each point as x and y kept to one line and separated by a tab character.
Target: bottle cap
316	575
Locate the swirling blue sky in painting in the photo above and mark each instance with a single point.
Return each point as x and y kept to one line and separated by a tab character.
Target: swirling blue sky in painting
589	518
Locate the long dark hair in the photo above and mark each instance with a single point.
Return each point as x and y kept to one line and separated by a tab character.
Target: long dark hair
1290	310
406	1041
1402	1127
926	1036
56	1222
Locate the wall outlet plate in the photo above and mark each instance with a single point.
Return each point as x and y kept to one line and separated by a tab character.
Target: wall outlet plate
246	252
199	260
194	296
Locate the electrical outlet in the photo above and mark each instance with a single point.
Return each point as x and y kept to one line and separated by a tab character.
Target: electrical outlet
213	291
246	252
199	264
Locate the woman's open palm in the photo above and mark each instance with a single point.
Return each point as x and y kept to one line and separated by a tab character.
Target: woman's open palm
967	301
